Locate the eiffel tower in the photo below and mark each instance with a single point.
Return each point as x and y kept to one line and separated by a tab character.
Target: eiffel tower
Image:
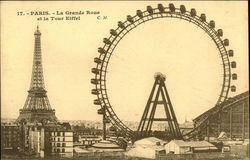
145	127
37	107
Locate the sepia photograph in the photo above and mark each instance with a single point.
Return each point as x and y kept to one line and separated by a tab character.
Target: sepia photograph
124	80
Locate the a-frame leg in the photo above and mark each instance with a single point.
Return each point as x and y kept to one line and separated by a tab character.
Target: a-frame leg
145	126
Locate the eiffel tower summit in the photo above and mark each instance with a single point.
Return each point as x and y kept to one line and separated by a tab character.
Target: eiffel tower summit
37	107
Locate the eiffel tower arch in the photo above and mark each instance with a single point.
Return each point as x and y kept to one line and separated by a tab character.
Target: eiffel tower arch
37	107
158	97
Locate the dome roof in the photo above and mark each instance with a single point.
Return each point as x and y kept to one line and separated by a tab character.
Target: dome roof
105	144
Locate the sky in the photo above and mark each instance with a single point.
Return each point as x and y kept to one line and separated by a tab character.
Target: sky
178	49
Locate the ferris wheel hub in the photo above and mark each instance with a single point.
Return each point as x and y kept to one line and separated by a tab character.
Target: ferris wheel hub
160	76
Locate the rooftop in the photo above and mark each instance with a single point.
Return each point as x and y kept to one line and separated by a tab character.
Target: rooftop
105	144
223	105
193	143
149	141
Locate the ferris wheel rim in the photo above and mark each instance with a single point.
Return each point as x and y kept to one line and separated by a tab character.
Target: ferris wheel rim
132	23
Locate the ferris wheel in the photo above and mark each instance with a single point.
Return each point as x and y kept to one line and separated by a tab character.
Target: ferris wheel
124	27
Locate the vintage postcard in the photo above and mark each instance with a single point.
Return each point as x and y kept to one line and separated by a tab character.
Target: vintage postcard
124	80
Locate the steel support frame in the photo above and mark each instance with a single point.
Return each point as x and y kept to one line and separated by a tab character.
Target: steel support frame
148	117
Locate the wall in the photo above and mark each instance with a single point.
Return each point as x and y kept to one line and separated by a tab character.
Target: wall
34	141
10	137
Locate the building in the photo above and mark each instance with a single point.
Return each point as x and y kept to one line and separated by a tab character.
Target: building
189	147
10	136
37	107
36	140
231	117
85	132
147	148
52	139
61	141
88	140
24	129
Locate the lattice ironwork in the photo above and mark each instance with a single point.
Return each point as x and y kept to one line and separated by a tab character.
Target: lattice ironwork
37	106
